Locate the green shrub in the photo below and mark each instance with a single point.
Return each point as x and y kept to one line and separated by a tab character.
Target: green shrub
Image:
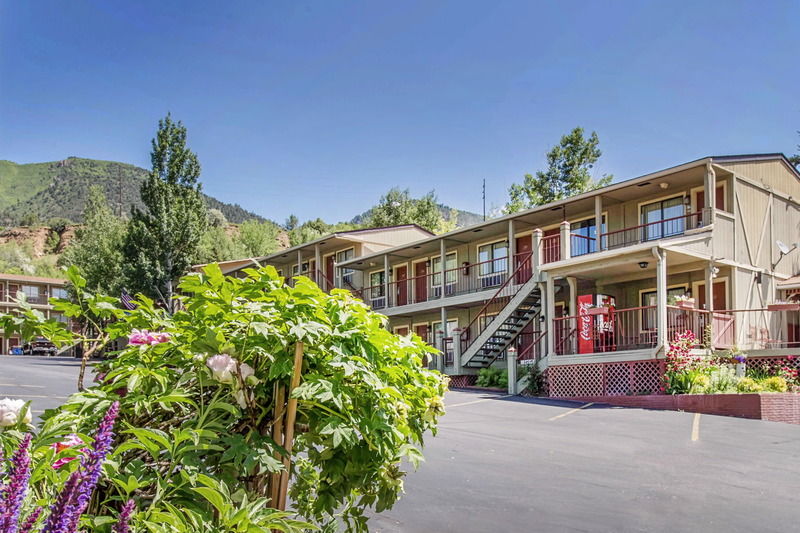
536	383
746	385
492	377
723	379
700	384
775	384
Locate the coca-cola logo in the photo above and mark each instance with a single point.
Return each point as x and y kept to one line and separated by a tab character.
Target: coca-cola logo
585	321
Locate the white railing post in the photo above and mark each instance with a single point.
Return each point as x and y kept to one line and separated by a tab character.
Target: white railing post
511	358
456	351
598	222
550	306
661	298
565	241
536	248
512	249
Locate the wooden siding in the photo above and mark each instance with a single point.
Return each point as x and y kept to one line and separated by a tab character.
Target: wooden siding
774	173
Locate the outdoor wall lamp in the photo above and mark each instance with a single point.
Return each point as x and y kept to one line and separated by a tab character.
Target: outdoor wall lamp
643	264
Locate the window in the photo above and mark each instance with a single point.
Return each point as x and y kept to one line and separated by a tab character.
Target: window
32	292
663	219
60	292
493	258
59	317
585	228
650	299
450	270
377	289
341	257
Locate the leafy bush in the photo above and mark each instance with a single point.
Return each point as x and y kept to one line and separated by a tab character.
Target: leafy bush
536	383
748	385
722	379
492	377
775	384
203	396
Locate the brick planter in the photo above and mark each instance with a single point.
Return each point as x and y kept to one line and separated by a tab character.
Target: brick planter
775	407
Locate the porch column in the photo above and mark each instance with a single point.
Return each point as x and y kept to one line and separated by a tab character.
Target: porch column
565	240
511	359
443	262
299	262
710	286
573	295
710	190
457	351
598	220
512	248
550	313
386	278
442	344
318	267
661	297
536	246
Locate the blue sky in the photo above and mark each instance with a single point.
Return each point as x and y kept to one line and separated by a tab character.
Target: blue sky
317	108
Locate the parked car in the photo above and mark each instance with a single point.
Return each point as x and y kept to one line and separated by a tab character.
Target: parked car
39	346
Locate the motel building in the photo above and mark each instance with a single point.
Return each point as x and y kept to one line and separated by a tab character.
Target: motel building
591	288
37	291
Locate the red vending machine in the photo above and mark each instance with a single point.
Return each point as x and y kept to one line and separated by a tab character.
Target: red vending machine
595	322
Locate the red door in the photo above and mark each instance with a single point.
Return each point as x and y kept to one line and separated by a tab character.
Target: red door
329	271
719	296
401	275
720	199
551	247
422	331
524	247
403	331
421	282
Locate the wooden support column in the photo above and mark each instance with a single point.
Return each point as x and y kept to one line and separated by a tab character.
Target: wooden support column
456	333
443	263
536	247
710	189
566	240
550	314
709	286
598	221
661	296
386	271
573	295
443	317
299	262
512	247
318	268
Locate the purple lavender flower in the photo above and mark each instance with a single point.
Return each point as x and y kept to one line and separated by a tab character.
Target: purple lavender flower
60	512
27	525
13	491
740	358
122	525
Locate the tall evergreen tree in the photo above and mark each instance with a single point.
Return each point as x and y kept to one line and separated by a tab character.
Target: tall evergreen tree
164	238
97	247
568	173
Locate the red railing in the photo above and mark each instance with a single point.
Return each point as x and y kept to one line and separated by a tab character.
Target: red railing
497	302
681	320
581	245
669	227
758	329
606	330
551	248
531	346
322	280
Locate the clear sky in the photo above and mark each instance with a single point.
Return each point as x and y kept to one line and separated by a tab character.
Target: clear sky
317	108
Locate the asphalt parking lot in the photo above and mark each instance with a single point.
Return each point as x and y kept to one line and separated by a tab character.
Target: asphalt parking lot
507	464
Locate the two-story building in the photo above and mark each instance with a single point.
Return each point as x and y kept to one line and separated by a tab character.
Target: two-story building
318	259
37	291
593	287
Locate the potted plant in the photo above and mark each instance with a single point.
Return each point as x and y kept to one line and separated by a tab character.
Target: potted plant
740	360
783	306
685	301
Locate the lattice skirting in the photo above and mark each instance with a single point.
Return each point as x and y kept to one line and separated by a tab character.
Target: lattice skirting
606	379
772	363
463	380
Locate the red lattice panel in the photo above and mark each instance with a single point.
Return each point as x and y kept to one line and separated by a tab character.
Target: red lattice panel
606	379
773	362
575	380
463	380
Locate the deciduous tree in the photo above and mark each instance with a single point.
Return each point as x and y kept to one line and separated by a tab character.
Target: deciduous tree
397	207
568	173
164	238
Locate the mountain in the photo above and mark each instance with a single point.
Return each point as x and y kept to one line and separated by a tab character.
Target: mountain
463	218
43	191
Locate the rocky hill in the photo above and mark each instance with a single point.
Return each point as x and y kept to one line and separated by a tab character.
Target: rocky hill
44	191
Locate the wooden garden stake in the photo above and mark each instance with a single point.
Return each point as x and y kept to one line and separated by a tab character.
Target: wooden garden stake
277	436
291	415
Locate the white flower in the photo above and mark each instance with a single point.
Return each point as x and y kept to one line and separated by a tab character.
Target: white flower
222	365
10	411
240	399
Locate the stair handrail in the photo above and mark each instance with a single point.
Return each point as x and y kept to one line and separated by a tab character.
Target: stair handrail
496	295
326	279
352	289
538	335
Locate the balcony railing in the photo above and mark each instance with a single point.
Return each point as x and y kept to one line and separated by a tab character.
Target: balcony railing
652	231
759	329
551	248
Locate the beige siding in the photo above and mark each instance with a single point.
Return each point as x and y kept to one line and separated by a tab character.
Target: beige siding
775	173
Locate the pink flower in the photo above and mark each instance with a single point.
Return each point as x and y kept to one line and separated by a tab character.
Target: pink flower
144	337
70	442
222	367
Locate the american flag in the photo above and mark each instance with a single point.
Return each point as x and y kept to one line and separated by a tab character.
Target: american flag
127	300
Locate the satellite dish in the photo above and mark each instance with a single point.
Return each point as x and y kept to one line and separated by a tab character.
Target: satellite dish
783	248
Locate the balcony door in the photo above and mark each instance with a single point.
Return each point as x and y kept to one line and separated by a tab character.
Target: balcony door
329	270
421	282
401	276
663	219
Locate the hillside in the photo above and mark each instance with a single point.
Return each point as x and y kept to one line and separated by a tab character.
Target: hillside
43	191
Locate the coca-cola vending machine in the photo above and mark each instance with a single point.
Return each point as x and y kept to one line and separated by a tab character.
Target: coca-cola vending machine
593	320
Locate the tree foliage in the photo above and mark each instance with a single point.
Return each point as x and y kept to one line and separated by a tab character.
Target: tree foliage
164	237
795	159
258	238
568	173
397	207
97	248
199	441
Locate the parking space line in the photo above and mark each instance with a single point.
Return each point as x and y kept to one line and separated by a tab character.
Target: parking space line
23	386
14	394
562	415
696	427
477	401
